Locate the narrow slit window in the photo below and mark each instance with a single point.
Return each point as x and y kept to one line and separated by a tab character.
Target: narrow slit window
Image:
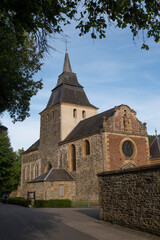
87	147
74	113
83	114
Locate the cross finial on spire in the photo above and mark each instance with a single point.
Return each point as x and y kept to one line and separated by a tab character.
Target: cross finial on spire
66	41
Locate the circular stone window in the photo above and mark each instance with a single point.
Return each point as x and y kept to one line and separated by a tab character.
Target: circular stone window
128	149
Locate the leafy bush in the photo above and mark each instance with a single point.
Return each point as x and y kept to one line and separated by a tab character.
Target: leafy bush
19	201
53	203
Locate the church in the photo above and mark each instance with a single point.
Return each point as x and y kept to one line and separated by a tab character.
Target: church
76	143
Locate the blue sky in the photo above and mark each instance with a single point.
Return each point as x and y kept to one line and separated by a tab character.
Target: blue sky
113	71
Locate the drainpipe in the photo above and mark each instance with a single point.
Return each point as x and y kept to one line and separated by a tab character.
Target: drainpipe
101	132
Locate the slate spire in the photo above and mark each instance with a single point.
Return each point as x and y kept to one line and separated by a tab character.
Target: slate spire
68	89
67	65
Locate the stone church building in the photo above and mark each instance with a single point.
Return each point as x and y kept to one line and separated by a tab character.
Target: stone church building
76	143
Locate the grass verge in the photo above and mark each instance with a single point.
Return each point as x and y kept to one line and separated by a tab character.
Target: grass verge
84	204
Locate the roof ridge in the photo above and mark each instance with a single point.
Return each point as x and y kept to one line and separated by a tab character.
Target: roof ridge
96	115
48	174
68	173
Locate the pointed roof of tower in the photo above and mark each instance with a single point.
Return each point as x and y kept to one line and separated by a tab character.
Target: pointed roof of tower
67	65
68	89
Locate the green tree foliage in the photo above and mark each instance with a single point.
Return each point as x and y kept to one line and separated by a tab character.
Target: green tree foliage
10	164
16	169
19	61
138	15
39	17
43	17
26	25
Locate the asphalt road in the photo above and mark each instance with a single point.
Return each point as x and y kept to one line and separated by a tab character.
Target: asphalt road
19	223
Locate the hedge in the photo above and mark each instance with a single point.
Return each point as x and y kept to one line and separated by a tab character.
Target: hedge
53	203
19	201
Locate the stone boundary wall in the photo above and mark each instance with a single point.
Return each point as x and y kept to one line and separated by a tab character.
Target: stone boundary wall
131	197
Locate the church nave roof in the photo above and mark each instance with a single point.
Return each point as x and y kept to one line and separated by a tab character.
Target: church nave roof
89	126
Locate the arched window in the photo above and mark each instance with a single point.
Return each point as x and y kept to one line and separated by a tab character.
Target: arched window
74	113
87	147
83	114
72	158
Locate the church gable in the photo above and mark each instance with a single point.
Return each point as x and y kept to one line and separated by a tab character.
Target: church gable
124	121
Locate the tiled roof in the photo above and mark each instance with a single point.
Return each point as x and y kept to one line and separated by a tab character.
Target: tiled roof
34	146
68	94
155	148
68	89
54	175
89	126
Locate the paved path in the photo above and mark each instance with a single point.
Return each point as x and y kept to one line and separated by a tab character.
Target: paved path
18	223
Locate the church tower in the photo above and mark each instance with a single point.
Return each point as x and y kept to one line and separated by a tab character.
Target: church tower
67	106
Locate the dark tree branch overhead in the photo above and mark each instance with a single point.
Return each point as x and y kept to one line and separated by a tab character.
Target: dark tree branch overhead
25	27
44	17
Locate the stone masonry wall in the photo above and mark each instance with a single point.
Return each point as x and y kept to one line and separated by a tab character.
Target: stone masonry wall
87	167
50	190
50	137
131	197
30	169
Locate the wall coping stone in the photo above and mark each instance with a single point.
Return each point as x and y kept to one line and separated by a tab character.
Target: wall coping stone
143	168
